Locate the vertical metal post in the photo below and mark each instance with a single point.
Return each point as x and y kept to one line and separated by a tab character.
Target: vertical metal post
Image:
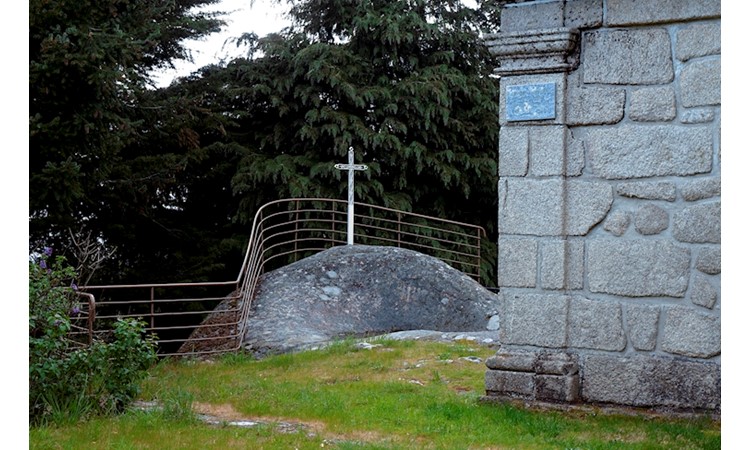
152	308
398	236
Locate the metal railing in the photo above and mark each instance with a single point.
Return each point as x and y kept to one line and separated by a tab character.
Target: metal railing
201	318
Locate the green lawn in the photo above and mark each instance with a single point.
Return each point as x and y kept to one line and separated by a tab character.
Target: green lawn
400	395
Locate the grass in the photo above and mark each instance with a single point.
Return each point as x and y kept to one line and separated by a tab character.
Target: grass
401	395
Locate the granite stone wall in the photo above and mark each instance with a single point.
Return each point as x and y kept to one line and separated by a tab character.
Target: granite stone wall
610	201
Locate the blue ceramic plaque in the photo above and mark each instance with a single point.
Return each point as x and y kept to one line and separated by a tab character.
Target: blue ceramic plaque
530	102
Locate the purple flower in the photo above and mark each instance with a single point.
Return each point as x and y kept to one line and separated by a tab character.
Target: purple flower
43	264
75	311
47	251
74	286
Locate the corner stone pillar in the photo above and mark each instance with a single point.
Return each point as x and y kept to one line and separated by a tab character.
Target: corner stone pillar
542	208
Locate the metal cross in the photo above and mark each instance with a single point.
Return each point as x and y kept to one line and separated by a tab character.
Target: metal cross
351	167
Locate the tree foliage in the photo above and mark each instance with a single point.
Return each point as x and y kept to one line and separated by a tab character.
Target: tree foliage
405	83
89	64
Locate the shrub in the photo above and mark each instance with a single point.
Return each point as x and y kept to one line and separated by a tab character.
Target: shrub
67	381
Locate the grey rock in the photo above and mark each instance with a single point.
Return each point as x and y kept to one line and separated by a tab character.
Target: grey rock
562	265
380	289
494	323
520	17
634	12
700	83
691	333
698	40
701	189
514	151
517	262
709	260
617	223
653	104
642	326
651	219
639	151
649	381
697	115
596	325
534	319
641	268
472	359
595	105
703	293
648	190
334	291
698	224
637	56
583	13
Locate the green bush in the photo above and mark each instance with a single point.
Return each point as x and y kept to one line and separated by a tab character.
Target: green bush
68	381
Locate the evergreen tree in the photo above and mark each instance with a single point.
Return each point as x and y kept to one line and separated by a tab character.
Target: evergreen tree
405	83
89	64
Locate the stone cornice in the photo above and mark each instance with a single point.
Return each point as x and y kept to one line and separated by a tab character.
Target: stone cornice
535	51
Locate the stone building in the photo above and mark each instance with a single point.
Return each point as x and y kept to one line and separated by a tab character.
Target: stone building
609	203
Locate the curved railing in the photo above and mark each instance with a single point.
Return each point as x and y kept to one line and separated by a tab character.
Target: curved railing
200	318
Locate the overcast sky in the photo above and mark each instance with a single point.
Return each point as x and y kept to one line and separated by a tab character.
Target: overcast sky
258	16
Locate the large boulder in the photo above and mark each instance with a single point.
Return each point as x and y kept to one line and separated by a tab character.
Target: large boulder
361	291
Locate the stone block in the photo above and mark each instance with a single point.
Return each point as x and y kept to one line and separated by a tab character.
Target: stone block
514	151
703	293
637	56
648	190
536	207
531	16
642	324
649	381
514	361
617	223
562	265
709	260
640	268
696	40
688	332
596	325
701	189
557	363
575	155
516	263
558	79
511	384
697	115
639	151
653	104
583	13
698	224
557	388
547	150
534	319
637	12
586	204
700	83
595	105
530	207
651	219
